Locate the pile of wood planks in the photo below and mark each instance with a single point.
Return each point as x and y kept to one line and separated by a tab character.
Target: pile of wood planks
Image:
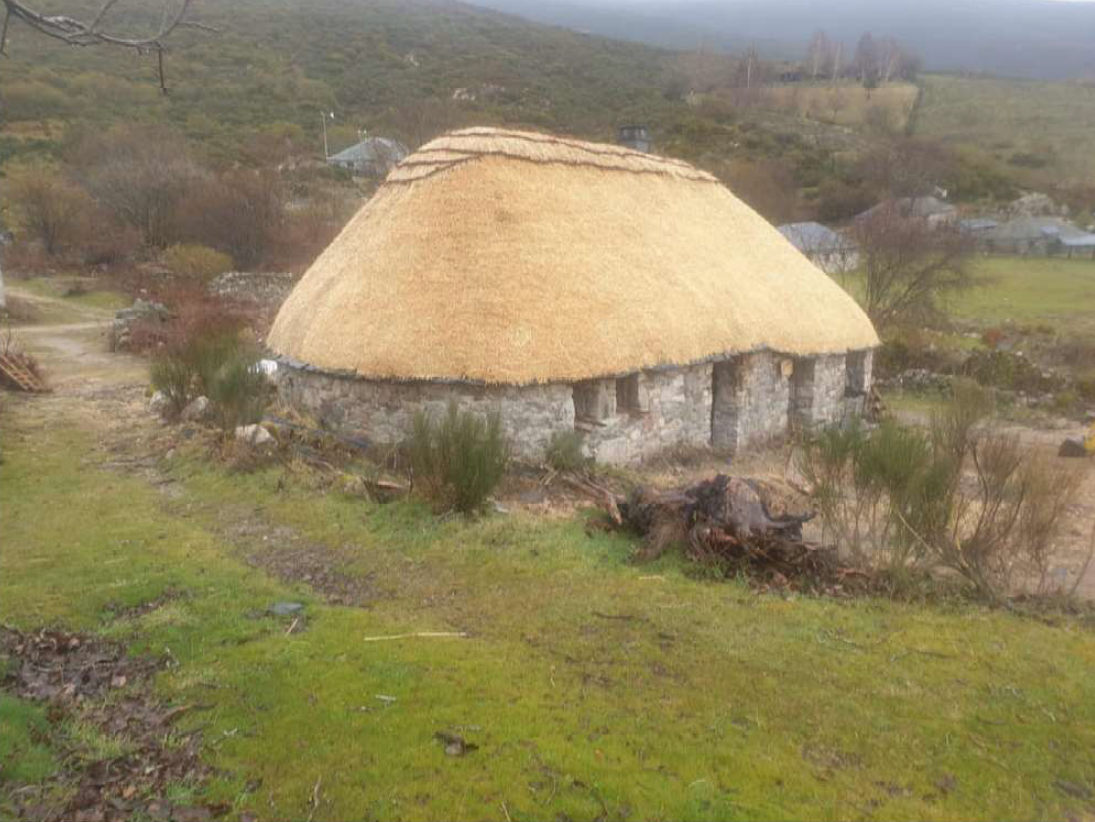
15	374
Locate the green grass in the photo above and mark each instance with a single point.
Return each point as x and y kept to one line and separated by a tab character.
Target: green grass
702	701
1051	291
1004	119
1032	290
25	753
56	288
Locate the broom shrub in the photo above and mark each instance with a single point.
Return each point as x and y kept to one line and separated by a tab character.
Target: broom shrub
458	460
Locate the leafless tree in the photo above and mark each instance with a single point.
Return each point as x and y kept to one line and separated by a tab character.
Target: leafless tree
866	58
906	167
819	54
418	121
909	264
139	176
99	30
50	206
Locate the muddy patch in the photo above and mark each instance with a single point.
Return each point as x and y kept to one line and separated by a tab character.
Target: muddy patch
284	554
91	684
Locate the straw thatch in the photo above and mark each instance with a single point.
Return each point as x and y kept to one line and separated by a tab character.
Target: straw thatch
509	257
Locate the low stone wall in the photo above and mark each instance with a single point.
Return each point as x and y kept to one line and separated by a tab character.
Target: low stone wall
735	404
674	408
383	412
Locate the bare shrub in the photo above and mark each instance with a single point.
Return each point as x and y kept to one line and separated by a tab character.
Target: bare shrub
196	261
196	314
308	231
240	213
954	496
52	208
909	264
138	175
458	461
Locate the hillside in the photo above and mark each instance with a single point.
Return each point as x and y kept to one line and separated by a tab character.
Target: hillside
1039	132
276	64
1021	38
253	94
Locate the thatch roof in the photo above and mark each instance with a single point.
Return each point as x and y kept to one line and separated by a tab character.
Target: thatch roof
510	257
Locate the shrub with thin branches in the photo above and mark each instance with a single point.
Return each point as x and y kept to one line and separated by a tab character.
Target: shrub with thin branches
953	496
459	460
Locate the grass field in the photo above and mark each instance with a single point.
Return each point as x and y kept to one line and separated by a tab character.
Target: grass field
846	104
1040	131
1032	290
594	689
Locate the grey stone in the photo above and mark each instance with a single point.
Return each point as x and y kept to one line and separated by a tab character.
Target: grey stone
254	435
197	410
737	403
286	608
158	403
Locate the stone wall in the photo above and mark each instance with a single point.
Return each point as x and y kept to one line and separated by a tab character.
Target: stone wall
752	396
383	412
673	407
743	402
818	387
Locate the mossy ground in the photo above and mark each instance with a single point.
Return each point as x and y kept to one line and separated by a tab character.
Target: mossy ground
593	688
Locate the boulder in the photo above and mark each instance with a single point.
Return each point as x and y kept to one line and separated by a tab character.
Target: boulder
254	435
159	404
1073	447
198	410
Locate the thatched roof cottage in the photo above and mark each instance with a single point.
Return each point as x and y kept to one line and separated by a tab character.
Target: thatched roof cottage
569	285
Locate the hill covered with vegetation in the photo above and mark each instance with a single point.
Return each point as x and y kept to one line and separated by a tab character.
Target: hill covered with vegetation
255	92
254	95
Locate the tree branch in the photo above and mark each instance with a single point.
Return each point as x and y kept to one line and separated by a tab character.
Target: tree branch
75	32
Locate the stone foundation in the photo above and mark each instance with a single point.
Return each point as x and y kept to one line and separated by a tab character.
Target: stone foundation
734	404
383	412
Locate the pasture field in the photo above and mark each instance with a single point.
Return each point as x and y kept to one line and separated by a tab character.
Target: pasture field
1037	131
846	104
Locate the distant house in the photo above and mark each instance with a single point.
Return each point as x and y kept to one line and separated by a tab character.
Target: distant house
636	137
977	226
833	253
1038	235
934	211
372	157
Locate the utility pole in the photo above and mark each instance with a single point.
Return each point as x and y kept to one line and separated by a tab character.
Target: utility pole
323	118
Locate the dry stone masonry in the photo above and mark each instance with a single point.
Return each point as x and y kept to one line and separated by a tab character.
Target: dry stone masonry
734	404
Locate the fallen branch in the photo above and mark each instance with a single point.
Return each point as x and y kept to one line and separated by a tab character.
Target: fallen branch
418	635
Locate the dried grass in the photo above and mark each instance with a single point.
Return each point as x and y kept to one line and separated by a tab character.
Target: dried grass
529	259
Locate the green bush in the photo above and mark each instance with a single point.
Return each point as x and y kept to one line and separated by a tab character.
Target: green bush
196	261
565	452
459	460
208	356
239	391
954	496
173	375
